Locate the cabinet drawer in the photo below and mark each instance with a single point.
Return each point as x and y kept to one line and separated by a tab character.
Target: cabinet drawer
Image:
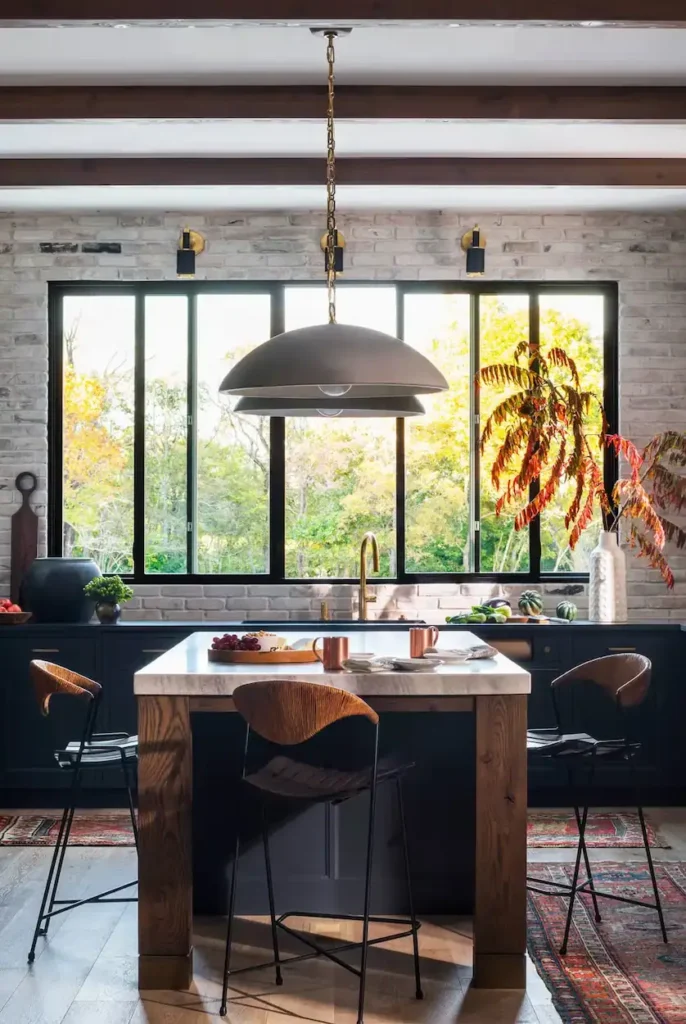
29	738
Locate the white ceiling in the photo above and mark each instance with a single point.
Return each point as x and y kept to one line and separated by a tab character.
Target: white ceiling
395	54
350	198
353	138
409	53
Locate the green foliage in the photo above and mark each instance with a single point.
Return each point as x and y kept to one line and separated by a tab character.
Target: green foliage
111	589
340	474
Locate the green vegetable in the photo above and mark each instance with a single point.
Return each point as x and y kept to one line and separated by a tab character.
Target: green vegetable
496	617
476	617
566	610
456	620
531	603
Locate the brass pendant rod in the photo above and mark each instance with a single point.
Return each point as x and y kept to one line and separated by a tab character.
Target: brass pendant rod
331	183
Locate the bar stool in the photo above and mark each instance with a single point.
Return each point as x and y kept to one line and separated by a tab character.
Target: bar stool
289	713
94	750
625	679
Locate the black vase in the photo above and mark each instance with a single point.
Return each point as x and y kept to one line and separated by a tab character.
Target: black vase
108	612
53	589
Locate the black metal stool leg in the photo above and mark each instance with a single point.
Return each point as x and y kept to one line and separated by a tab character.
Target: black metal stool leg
270	890
229	928
129	794
368	884
587	865
53	861
577	865
587	861
649	856
65	843
408	875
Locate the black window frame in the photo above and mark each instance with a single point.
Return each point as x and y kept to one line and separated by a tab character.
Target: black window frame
277	486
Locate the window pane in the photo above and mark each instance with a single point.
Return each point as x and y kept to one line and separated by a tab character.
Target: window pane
166	429
98	353
233	451
437	512
504	322
576	324
340	474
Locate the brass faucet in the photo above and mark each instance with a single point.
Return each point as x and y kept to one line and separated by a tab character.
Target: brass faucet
365	597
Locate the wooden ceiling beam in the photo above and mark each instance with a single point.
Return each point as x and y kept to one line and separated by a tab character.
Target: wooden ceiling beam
344	11
382	102
636	173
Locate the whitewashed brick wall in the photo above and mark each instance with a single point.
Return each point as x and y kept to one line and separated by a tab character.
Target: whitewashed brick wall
646	254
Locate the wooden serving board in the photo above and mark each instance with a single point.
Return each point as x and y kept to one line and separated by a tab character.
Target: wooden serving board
262	657
24	534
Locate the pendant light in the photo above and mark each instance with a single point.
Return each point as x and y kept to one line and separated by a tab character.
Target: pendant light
331	407
319	365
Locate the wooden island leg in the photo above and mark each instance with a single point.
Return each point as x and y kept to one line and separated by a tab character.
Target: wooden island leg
165	886
500	897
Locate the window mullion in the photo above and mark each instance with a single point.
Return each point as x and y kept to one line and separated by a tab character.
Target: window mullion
277	462
400	480
192	438
139	439
534	486
474	435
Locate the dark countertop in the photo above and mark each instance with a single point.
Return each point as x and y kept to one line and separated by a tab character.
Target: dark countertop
340	626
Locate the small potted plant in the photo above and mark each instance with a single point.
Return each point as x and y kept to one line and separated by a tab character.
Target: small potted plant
108	592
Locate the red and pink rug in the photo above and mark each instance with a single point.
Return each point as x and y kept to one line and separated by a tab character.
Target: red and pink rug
611	829
619	971
605	829
112	828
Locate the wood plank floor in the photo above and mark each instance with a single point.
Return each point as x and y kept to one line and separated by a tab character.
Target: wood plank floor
86	972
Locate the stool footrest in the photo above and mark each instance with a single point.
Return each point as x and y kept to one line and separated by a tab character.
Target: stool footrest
100	898
331	951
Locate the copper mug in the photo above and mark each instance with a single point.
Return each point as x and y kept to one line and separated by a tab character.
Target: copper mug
422	637
333	652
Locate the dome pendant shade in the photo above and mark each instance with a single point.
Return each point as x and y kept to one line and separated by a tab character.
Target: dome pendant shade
330	407
311	361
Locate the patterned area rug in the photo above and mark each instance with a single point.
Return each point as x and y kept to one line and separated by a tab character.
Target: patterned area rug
618	829
619	971
108	829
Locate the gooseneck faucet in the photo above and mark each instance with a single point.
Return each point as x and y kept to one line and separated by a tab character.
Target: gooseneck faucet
365	597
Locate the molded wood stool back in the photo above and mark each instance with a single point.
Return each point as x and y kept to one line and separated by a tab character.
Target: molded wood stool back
625	679
94	750
287	713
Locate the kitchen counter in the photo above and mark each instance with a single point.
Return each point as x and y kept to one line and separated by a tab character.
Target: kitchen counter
186	671
182	684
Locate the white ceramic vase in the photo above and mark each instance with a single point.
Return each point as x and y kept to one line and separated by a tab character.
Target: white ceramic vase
607	584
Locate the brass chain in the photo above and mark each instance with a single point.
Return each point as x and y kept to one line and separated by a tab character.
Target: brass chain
332	235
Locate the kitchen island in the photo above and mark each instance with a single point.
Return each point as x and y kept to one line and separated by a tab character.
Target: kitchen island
182	682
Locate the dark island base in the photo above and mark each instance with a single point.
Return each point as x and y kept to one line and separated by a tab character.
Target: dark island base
318	853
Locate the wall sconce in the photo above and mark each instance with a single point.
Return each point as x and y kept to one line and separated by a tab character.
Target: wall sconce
474	244
191	244
337	252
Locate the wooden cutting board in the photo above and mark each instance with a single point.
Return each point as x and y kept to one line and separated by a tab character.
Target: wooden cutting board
24	533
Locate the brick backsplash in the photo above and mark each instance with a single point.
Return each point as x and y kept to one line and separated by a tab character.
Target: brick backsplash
644	253
430	601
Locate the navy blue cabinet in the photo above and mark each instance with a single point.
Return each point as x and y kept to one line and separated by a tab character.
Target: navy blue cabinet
28	738
112	655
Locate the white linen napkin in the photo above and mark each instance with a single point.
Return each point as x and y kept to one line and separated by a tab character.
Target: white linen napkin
473	653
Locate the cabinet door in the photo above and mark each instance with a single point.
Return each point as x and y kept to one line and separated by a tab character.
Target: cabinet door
29	739
594	712
123	654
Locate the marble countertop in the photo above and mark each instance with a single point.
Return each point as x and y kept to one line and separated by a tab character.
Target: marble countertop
185	670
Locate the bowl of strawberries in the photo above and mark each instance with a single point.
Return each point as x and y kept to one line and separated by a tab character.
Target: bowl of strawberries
11	614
